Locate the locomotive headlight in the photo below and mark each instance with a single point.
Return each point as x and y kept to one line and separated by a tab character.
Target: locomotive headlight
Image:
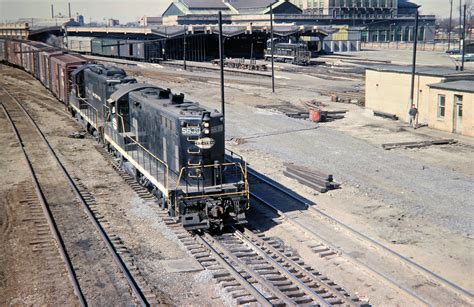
206	124
205	131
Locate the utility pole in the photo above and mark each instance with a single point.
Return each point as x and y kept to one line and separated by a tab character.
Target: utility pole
463	39
52	11
450	24
413	71
69	8
271	48
184	48
221	62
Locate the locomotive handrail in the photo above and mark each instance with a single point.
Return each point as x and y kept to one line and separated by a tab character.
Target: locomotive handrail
91	106
148	152
243	170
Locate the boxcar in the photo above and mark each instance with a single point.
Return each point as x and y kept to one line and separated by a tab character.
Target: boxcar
14	52
45	67
61	67
78	43
141	50
128	48
3	50
106	47
34	51
24	51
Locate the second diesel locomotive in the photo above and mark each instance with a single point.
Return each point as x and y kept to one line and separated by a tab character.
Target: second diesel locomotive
174	147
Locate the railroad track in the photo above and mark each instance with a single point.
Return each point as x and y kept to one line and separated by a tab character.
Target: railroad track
426	294
89	254
251	268
280	273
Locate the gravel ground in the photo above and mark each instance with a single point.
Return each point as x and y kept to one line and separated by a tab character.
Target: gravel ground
426	191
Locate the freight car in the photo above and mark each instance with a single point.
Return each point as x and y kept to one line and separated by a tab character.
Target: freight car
294	53
78	44
46	63
173	147
138	50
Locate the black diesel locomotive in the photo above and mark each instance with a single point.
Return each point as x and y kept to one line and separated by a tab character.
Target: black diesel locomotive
172	146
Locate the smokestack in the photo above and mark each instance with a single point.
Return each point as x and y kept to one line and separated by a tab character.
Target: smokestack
69	6
52	11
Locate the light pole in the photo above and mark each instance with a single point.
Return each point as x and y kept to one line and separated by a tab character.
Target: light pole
450	23
413	71
391	34
460	23
271	48
221	62
184	48
463	39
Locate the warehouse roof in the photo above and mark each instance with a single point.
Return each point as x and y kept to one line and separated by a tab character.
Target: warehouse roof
423	71
205	4
212	7
251	4
458	86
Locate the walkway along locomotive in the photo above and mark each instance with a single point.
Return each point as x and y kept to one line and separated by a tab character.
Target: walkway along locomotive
174	147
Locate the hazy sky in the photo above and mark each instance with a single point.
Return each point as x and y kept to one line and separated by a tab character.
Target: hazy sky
132	10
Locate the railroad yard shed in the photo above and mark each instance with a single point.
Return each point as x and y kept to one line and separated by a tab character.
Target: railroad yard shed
451	106
388	90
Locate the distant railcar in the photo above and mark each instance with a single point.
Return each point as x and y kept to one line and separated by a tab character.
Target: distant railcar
294	53
139	50
105	47
78	44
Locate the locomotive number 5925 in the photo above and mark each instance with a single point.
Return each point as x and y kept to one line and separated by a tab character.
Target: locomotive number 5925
190	130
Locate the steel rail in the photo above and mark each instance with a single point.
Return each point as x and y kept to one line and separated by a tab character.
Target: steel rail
272	289
130	280
296	266
424	270
48	215
310	292
355	260
247	285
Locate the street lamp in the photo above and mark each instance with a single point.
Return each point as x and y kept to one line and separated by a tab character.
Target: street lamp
413	71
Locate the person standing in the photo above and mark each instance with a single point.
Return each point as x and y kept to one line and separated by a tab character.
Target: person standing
413	115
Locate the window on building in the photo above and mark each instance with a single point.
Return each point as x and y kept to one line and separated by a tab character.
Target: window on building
441	106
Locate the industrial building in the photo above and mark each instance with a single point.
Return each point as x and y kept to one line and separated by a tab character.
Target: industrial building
349	8
232	7
444	97
451	106
378	21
